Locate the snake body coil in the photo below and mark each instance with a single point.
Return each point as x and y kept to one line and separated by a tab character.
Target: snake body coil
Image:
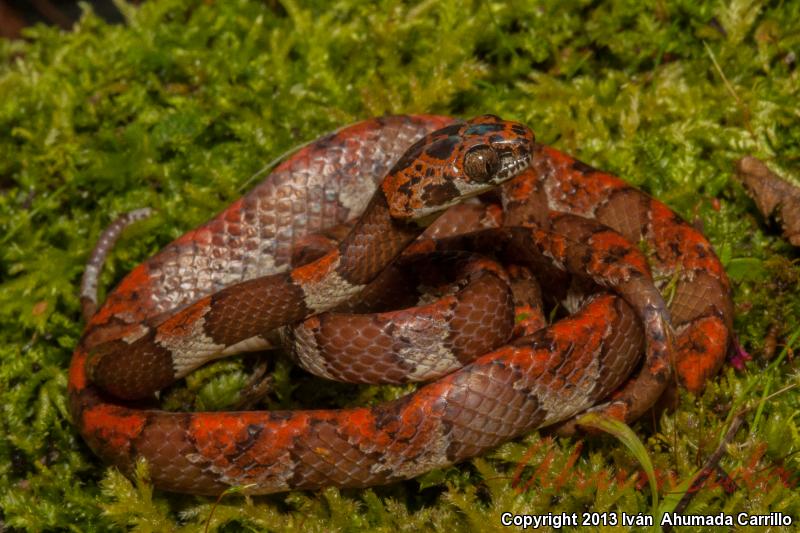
224	287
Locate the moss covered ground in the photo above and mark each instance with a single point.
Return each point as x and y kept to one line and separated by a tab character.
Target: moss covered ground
182	106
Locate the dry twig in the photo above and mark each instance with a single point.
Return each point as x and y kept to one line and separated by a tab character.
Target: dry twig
773	195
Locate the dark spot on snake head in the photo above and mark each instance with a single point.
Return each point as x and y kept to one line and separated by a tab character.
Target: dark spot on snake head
410	156
483	129
440	194
518	129
583	168
443	148
453	129
405	188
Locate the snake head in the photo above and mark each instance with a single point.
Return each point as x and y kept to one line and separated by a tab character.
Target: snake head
454	163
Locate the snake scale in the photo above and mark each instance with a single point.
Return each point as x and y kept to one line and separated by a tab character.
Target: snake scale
265	264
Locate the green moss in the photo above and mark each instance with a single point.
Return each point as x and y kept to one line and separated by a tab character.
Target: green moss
180	108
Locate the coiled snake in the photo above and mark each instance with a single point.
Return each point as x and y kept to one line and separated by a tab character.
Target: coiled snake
228	285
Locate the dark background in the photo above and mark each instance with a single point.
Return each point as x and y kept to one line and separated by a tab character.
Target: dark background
16	14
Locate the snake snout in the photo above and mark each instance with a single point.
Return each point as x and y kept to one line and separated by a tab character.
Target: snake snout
513	163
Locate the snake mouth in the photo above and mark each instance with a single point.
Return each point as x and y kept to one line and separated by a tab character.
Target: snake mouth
511	164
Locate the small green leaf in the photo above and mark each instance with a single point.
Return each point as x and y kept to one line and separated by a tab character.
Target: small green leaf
432	478
746	268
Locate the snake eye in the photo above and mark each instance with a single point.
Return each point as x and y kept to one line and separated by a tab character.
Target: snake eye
481	163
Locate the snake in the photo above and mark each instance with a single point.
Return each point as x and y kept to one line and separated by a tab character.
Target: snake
392	185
